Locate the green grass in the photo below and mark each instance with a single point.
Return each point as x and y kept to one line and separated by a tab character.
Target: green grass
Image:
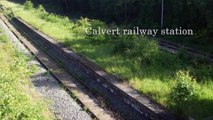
18	99
136	59
3	38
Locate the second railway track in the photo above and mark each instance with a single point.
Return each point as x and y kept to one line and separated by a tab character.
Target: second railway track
121	98
175	48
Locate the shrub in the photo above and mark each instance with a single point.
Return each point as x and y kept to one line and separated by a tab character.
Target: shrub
28	5
41	9
80	26
51	17
183	92
8	12
80	30
123	45
145	51
100	38
66	21
140	50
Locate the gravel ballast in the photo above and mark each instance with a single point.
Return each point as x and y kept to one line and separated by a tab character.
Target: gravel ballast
61	104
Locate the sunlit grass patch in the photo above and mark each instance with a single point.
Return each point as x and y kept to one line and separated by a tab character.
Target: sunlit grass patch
18	98
155	89
3	38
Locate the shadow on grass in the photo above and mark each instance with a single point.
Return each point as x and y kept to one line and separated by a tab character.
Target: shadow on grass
163	70
200	109
207	107
164	66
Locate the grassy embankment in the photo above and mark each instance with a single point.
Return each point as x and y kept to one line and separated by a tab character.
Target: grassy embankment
18	100
135	59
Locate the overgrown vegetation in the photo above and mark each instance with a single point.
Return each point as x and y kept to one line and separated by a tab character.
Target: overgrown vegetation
18	101
183	92
136	59
193	14
28	5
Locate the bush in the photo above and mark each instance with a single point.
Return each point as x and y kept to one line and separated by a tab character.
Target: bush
123	45
8	12
28	5
80	30
145	52
66	21
183	92
51	17
80	26
141	50
43	14
100	38
41	9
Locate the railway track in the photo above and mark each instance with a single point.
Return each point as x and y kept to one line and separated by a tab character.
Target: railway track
119	97
77	91
175	48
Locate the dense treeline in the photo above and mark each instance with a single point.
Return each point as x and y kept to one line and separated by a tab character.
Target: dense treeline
186	13
195	14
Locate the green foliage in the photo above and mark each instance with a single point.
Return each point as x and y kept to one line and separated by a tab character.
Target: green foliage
3	38
7	11
145	52
88	24
183	92
45	15
66	21
147	14
184	89
50	17
13	103
28	5
16	102
140	49
134	58
123	45
41	9
100	38
81	25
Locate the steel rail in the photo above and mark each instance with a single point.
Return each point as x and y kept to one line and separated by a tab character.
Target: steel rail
119	96
175	48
